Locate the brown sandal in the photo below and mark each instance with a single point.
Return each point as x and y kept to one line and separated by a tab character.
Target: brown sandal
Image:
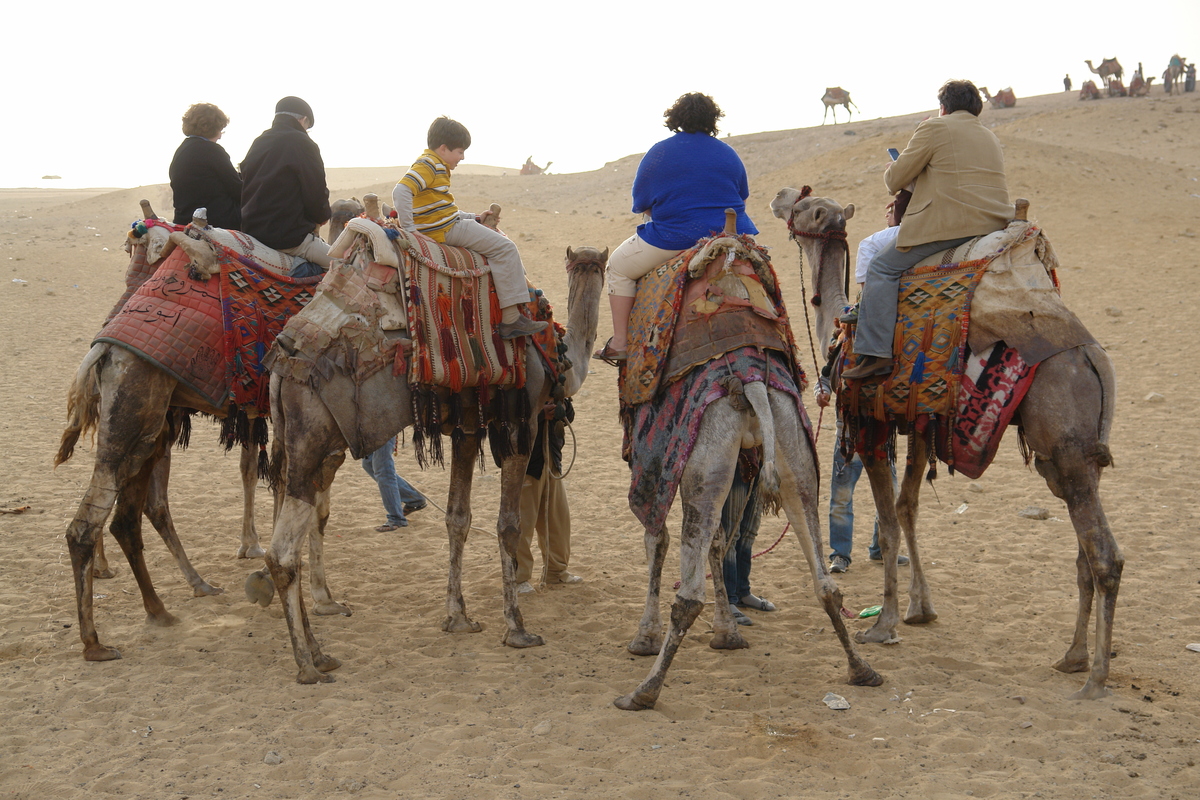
608	355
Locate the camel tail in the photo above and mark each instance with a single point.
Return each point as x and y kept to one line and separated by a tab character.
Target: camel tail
83	404
1102	366
768	476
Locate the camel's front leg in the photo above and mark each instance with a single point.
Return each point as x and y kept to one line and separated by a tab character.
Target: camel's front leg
458	523
884	492
508	529
648	641
920	602
248	466
296	519
158	511
323	602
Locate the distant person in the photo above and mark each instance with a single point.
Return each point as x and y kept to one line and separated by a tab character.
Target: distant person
425	205
398	495
683	186
740	520
545	511
1189	82
285	199
1067	83
202	176
956	168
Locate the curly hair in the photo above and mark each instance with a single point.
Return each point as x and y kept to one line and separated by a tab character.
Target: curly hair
449	132
960	95
694	113
204	119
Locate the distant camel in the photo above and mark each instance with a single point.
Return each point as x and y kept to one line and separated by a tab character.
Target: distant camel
1003	98
1089	91
1108	67
1175	72
834	97
530	168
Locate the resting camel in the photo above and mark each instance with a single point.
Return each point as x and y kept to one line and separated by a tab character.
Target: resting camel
1003	99
1089	91
312	445
1065	418
1109	67
138	412
530	168
834	97
750	415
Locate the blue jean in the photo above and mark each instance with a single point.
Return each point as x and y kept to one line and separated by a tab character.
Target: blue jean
743	510
393	490
841	503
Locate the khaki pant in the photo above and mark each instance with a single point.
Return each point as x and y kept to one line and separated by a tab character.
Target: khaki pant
632	260
311	249
544	510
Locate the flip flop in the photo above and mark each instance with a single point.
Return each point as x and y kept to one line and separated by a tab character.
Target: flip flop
752	601
387	528
608	355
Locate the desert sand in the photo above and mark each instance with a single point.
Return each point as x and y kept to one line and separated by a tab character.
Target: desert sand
970	705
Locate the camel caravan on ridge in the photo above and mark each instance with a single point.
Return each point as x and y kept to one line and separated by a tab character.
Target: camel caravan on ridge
399	335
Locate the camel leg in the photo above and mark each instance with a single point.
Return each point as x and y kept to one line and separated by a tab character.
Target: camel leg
296	518
100	565
458	523
727	635
126	528
884	492
248	465
323	602
83	535
158	511
649	638
920	603
799	488
508	529
1066	416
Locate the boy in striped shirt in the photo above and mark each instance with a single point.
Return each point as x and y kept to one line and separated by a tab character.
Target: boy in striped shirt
425	205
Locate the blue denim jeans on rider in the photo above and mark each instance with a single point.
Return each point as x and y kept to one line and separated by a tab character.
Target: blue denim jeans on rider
393	490
742	501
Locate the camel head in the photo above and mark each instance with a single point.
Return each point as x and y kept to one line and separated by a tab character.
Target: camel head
343	212
585	278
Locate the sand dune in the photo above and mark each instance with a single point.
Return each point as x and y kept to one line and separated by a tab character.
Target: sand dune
970	705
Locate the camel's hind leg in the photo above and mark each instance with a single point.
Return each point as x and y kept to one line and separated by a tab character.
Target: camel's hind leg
508	533
458	524
649	638
158	511
248	466
126	528
323	603
296	519
727	635
799	484
1066	417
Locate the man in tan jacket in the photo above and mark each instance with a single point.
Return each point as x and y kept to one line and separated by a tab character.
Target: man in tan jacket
956	170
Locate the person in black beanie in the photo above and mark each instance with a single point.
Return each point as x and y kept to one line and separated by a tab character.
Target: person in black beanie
202	176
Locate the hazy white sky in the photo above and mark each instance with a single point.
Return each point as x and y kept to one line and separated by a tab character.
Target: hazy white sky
95	90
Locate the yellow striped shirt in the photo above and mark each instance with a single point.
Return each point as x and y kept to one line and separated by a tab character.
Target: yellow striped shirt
434	210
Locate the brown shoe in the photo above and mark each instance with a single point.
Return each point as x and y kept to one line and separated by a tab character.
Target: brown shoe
524	326
609	355
870	367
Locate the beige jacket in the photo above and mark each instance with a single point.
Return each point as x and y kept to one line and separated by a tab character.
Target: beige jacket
958	167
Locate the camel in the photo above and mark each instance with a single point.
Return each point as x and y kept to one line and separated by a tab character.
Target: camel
310	446
1139	87
753	414
1109	67
1065	419
836	96
530	168
1174	73
1003	98
1089	91
138	412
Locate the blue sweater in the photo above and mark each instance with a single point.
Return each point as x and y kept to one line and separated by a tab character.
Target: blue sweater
686	182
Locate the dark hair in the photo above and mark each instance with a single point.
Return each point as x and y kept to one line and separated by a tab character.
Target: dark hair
694	113
445	131
960	96
204	119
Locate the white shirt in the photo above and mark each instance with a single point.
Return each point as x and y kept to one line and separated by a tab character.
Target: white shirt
869	247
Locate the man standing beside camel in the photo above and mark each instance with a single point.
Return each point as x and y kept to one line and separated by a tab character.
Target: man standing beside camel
956	168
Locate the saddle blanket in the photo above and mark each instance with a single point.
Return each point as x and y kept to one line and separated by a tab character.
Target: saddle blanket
993	386
665	428
210	335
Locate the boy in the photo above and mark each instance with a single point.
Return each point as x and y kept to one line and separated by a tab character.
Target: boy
424	204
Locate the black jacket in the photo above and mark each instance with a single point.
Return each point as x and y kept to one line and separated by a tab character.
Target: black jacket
202	176
284	196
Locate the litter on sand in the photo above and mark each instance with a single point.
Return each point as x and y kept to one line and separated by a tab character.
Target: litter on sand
836	702
870	611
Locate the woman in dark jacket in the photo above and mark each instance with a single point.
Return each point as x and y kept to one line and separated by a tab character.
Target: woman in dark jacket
202	176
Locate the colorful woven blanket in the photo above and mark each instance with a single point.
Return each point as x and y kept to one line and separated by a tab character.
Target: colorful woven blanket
993	386
665	428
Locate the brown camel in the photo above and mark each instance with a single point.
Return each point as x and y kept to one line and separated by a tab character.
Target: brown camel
1174	73
1109	68
310	445
836	96
751	415
138	412
1065	417
1089	91
1005	98
530	168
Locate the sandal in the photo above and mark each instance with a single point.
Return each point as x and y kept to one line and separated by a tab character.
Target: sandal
608	355
752	601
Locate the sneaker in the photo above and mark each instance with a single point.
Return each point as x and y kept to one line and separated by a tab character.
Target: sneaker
739	617
839	564
524	587
901	559
410	508
567	577
522	327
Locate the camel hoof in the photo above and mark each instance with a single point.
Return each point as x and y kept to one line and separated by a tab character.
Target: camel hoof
1091	691
106	573
635	702
206	589
523	639
645	645
460	625
328	608
1070	664
876	635
918	615
309	676
865	677
325	663
254	551
728	641
101	653
164	620
260	588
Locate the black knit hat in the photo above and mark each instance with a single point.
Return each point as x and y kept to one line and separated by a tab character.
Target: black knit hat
294	105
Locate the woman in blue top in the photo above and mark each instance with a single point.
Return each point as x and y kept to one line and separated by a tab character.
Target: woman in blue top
683	186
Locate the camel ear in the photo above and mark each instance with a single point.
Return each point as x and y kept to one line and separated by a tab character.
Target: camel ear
604	256
570	254
848	211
